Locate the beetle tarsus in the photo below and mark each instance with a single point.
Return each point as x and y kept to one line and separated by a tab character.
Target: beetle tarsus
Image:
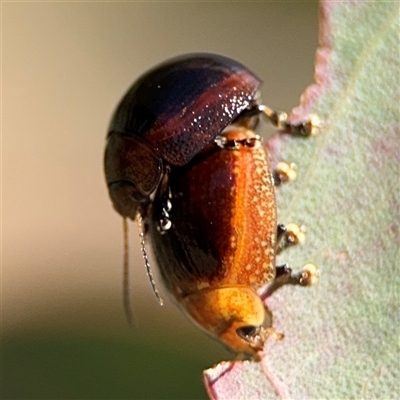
250	119
308	276
284	172
289	235
309	127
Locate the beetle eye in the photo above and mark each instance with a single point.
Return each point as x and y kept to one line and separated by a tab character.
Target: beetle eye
247	332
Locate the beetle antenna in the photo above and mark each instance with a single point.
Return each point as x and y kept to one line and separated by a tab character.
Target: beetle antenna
146	259
125	280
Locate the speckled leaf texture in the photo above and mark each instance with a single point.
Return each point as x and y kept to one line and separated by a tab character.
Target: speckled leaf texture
341	336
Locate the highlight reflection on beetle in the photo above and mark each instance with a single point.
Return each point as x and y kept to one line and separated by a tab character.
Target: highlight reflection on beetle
183	159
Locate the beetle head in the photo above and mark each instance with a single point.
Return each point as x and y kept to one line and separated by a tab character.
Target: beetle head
133	171
235	314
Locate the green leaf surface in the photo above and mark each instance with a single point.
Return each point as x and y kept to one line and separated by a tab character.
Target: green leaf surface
341	336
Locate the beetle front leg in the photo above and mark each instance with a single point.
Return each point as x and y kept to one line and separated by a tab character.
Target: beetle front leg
309	127
308	276
250	118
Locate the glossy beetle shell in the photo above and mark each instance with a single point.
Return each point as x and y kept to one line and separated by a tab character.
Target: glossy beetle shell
181	160
167	117
221	246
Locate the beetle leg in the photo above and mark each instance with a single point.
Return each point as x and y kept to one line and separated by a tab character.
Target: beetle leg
165	206
309	127
284	172
284	276
165	221
289	235
249	118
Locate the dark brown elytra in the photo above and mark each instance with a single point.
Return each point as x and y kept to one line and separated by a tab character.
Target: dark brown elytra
168	116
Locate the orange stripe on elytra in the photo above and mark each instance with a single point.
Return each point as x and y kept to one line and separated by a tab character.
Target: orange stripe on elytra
251	260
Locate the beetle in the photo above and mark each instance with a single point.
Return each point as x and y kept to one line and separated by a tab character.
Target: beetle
183	159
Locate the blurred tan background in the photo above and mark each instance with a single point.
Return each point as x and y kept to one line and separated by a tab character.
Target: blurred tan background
65	66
